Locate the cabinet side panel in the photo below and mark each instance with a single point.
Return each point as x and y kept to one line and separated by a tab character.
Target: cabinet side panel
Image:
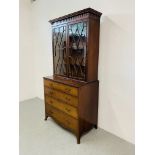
88	105
93	49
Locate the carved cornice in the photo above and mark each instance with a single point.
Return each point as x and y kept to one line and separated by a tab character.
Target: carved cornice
80	13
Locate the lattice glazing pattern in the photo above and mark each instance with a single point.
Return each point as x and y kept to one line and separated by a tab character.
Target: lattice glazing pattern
77	50
59	50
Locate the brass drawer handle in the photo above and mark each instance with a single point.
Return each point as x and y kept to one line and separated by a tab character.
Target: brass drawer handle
51	85
67	89
68	99
51	112
51	92
67	109
51	101
68	122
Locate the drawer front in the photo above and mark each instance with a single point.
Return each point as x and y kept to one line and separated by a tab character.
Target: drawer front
62	118
61	96
70	110
67	89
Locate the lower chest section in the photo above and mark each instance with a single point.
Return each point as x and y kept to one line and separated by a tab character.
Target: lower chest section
61	103
74	108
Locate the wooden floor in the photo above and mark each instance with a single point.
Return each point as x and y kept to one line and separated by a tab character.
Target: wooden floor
39	137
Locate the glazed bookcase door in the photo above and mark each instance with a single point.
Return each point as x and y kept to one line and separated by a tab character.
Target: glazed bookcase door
60	50
77	37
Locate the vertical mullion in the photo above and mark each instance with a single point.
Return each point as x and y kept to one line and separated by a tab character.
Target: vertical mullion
53	49
87	48
67	48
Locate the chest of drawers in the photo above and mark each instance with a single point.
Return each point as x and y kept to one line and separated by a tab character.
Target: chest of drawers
72	104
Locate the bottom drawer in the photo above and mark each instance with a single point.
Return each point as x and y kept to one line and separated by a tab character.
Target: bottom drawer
62	118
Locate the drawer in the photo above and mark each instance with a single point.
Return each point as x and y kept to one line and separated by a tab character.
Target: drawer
62	118
67	89
61	96
70	110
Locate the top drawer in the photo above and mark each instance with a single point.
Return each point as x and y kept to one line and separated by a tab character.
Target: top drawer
67	89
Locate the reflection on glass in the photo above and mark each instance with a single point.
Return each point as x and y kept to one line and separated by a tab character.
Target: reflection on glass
77	50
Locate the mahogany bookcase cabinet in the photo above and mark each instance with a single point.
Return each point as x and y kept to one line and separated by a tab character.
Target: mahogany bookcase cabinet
71	94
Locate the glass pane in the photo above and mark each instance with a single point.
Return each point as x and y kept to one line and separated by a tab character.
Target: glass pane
77	50
59	50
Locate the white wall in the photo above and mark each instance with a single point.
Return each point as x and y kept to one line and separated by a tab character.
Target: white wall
26	54
116	58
